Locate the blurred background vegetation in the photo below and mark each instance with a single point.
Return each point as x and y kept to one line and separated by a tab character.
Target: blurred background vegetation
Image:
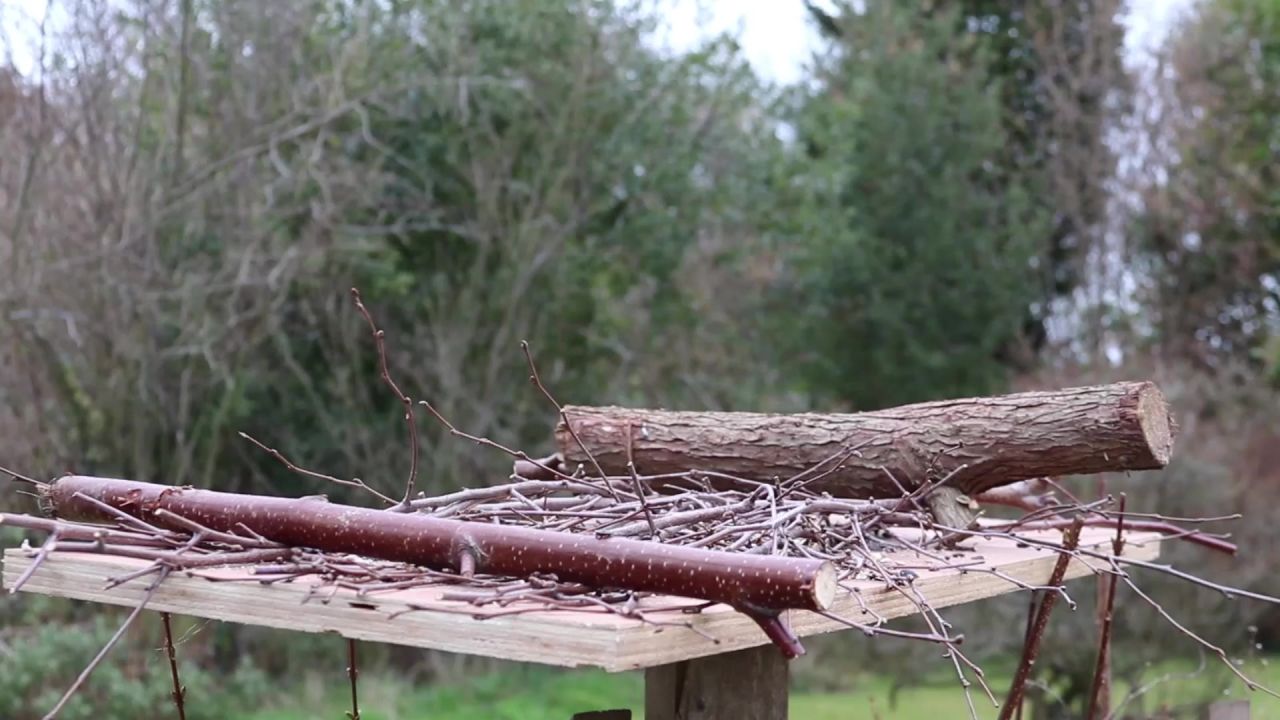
957	197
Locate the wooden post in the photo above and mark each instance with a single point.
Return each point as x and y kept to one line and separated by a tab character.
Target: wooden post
1229	710
746	685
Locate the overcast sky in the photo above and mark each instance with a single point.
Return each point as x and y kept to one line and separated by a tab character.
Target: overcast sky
778	39
774	34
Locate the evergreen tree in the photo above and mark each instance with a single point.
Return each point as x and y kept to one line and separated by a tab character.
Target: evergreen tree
914	265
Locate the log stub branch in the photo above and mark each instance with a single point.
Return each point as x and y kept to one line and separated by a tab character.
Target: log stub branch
987	442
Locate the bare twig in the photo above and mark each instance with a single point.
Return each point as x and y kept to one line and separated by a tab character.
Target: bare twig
639	489
45	548
1100	690
537	381
214	535
1165	528
1032	647
542	464
379	338
353	482
353	673
97	659
734	514
1222	655
179	692
124	517
20	477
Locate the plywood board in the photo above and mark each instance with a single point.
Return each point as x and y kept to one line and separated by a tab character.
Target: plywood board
567	638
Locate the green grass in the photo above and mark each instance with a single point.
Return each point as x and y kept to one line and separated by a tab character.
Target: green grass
542	694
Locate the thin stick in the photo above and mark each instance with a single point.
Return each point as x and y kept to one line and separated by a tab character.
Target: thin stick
82	531
179	692
1032	647
353	673
1100	695
537	381
124	517
1222	655
1026	633
635	480
20	477
353	482
45	548
213	535
379	338
1192	536
878	629
519	455
93	664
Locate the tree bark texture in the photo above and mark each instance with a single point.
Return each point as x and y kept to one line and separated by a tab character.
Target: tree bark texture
986	442
747	582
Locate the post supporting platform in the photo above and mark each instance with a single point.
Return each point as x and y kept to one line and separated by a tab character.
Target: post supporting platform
748	684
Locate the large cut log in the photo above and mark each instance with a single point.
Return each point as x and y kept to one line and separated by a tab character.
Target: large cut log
752	583
986	442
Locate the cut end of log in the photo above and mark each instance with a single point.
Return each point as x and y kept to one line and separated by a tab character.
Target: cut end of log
824	586
1156	423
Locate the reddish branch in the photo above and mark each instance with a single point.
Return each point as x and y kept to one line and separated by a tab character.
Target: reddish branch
770	621
1100	693
1031	649
740	580
1028	495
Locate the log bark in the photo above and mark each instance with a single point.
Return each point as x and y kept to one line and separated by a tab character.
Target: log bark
985	442
748	582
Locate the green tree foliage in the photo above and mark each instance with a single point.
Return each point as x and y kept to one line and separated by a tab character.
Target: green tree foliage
487	172
543	174
196	184
914	257
1211	227
1064	90
46	647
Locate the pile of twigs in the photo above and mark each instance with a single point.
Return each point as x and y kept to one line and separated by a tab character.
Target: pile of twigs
877	540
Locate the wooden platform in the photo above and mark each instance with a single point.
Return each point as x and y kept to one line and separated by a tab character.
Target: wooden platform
565	638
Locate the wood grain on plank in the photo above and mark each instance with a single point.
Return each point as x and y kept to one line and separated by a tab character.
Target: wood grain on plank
566	638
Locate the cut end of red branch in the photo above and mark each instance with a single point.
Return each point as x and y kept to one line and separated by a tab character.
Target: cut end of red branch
825	583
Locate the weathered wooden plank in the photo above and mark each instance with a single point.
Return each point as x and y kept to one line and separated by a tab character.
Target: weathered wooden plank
745	685
555	638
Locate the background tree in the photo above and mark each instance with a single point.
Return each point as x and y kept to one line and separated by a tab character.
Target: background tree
915	251
1211	218
189	187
